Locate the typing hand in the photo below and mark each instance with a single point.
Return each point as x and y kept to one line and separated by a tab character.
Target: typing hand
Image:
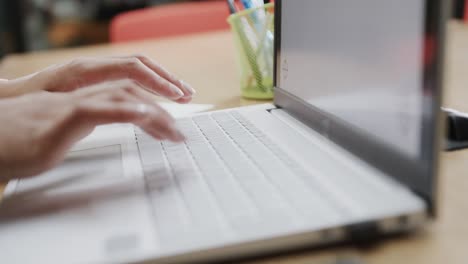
83	72
39	128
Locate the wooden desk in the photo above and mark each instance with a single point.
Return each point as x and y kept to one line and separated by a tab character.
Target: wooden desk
207	62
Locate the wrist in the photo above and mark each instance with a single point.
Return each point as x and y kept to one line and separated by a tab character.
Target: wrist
19	86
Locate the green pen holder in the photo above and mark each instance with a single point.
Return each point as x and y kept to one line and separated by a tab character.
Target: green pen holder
253	31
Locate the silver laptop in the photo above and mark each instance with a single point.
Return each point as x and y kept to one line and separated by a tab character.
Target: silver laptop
347	151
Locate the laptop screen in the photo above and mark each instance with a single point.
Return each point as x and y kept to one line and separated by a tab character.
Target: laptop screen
371	67
361	61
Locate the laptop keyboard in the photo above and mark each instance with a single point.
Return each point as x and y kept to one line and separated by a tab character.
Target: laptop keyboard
228	175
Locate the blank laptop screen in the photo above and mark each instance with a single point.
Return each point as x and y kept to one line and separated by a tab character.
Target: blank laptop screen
361	61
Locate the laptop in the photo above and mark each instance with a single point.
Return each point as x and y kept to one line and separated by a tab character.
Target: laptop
348	150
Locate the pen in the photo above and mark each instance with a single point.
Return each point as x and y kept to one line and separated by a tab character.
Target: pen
232	6
247	4
251	3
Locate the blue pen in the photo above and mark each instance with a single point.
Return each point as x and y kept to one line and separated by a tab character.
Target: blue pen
247	4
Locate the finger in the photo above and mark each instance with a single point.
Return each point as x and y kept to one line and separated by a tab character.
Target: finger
148	124
126	91
188	90
119	91
140	114
158	122
115	91
137	99
183	100
145	97
154	133
93	71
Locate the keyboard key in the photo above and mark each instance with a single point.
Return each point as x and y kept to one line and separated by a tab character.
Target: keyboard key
171	215
151	153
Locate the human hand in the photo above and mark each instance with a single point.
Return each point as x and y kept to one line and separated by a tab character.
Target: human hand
84	72
38	129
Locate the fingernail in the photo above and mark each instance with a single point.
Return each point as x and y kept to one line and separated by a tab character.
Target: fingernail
188	87
177	91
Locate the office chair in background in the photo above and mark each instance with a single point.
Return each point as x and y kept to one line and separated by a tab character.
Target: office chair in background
169	20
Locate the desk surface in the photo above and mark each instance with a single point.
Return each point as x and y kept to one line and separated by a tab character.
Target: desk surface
207	62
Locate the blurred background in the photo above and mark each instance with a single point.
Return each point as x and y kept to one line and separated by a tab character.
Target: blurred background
29	25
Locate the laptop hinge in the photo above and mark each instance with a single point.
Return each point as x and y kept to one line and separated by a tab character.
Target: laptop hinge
269	110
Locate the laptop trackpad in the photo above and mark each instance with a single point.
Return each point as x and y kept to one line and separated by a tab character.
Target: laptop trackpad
80	170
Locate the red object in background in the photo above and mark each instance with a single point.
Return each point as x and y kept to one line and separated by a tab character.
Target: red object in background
465	14
169	20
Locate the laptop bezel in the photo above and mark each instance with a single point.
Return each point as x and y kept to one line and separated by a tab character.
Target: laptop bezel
418	175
